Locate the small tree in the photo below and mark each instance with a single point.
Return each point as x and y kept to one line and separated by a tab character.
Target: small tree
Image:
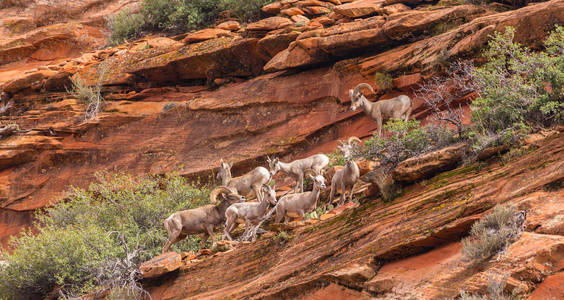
441	93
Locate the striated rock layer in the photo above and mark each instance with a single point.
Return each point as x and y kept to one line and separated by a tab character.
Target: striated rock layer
407	248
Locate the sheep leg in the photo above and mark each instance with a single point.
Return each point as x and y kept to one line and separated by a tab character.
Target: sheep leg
279	215
209	228
258	193
203	240
228	227
408	113
343	193
379	124
333	189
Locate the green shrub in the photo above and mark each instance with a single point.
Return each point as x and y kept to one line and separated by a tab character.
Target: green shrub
407	140
383	81
493	233
67	257
124	26
519	89
245	10
179	15
115	222
336	159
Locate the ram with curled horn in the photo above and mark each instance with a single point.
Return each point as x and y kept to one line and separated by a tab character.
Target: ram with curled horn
399	107
201	219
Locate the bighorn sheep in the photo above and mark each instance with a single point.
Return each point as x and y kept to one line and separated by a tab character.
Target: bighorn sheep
346	177
244	185
398	107
296	205
297	168
248	212
201	219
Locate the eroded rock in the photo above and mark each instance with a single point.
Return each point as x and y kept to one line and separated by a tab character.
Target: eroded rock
428	164
160	265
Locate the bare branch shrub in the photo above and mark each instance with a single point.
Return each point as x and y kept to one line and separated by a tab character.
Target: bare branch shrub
494	232
441	93
407	140
121	274
91	95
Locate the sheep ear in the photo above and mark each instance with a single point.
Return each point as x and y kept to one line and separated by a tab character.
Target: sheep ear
351	93
221	161
309	175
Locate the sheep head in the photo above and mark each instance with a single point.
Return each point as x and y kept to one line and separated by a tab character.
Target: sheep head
224	172
269	194
318	179
228	194
348	147
356	95
273	165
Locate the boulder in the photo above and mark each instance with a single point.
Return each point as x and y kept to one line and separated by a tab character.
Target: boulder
354	275
206	34
380	285
273	44
269	24
160	265
360	8
299	19
293	11
229	25
272	8
316	10
394	9
428	164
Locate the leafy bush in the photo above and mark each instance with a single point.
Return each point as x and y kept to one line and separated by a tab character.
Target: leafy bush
336	159
245	10
179	16
493	233
518	88
97	237
125	25
407	140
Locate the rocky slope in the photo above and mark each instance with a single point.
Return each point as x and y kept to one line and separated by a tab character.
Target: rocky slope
274	87
406	249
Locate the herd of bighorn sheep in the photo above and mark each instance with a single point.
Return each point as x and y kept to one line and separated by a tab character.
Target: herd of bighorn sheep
232	208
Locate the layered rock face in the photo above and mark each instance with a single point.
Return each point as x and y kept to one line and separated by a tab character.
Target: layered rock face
404	249
278	86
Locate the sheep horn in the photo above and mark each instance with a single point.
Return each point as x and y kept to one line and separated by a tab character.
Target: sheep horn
361	85
307	171
354	139
218	190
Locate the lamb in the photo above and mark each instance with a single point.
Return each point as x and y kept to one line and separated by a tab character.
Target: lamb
381	111
246	184
346	177
201	219
297	168
248	212
296	205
